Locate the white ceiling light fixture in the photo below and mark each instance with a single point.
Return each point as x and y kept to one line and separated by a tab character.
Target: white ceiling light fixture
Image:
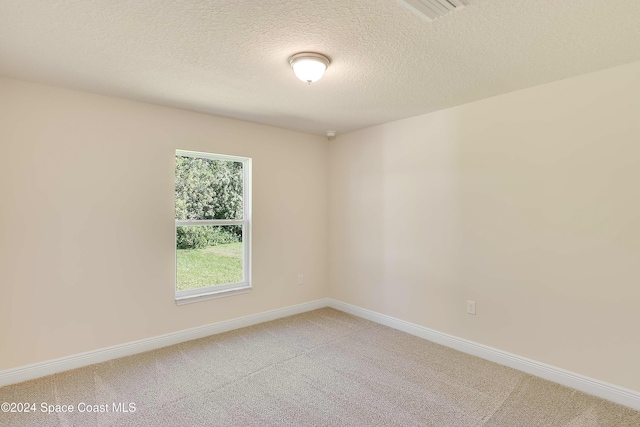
432	9
309	66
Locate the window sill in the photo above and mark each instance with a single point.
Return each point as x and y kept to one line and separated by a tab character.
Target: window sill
212	295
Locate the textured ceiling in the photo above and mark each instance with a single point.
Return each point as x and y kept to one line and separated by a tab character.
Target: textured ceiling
229	58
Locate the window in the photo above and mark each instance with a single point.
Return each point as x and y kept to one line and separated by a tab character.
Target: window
213	227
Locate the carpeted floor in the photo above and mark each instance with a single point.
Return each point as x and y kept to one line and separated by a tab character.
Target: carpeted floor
322	368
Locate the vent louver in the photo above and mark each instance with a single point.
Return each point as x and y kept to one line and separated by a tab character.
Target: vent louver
432	9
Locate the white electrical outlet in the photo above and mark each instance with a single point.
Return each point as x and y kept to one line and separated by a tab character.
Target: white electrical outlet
471	307
300	279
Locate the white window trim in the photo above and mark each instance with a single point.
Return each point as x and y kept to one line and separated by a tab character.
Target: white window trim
218	291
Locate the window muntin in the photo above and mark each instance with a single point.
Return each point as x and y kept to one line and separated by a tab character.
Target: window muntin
212	224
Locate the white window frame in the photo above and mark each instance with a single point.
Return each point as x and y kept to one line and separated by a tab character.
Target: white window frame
216	291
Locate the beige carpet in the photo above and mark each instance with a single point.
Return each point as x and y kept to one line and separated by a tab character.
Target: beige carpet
322	368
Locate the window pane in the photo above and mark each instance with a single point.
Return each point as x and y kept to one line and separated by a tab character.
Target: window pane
208	189
208	255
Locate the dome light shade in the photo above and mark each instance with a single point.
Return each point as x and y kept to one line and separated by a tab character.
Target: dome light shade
308	66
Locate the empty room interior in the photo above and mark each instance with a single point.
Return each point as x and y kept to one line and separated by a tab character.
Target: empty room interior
320	213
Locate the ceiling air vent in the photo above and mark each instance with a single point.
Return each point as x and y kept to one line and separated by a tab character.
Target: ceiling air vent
432	9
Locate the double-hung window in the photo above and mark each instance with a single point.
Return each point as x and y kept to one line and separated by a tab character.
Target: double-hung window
213	225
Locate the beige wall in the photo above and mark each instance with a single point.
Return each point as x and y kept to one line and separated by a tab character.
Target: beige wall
527	203
86	219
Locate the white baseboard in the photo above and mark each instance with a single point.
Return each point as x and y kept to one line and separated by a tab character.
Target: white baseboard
585	384
37	370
